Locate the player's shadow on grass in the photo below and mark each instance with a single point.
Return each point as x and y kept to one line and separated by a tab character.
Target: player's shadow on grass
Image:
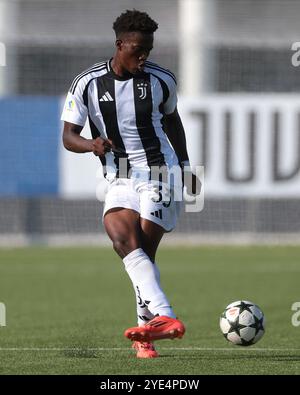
269	357
273	357
179	357
80	353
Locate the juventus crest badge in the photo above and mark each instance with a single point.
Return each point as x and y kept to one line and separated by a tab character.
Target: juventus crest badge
142	88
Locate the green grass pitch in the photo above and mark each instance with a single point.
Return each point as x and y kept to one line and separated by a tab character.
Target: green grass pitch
66	310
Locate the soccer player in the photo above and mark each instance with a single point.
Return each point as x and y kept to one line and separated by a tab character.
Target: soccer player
131	107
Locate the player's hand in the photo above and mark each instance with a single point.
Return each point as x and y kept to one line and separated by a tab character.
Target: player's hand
102	146
192	182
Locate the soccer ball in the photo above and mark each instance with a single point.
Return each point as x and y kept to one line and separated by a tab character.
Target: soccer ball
242	323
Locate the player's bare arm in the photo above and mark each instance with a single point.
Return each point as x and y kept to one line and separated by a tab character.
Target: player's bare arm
79	144
174	129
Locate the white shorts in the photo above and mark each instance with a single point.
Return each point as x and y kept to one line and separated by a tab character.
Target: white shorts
143	197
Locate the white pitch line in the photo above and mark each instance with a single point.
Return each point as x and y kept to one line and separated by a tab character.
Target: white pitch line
239	349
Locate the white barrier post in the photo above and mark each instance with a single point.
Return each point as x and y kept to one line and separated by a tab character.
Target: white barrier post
8	34
2	314
196	21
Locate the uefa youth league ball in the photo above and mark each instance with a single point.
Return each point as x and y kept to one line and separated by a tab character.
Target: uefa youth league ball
242	323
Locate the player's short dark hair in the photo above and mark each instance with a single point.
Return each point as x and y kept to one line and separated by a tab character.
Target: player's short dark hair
134	21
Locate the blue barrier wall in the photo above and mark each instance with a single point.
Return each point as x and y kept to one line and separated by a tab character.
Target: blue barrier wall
30	137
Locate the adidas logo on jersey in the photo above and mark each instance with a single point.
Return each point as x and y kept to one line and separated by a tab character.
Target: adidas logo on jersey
106	97
157	214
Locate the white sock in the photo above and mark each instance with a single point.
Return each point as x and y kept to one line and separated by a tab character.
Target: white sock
143	313
145	280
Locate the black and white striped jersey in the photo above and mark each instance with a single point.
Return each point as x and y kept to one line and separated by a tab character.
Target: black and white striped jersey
128	111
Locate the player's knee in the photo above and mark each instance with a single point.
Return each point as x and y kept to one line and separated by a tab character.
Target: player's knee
124	246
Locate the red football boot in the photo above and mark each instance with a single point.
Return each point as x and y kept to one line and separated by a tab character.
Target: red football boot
145	350
161	327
